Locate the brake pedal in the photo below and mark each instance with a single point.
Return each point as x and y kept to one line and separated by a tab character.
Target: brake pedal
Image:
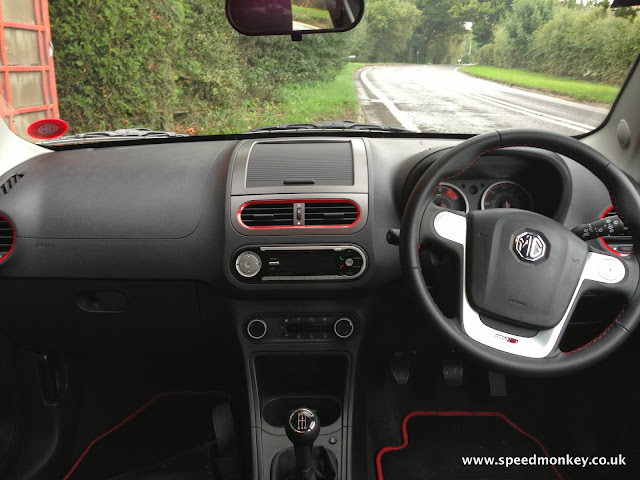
453	374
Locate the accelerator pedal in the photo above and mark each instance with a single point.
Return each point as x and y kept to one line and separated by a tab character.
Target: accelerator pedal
497	384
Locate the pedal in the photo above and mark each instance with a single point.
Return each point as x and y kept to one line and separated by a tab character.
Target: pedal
497	384
227	461
453	374
400	367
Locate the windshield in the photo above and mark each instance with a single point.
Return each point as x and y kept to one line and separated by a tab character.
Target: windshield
432	66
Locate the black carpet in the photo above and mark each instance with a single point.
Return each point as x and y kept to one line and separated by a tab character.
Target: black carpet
436	445
171	433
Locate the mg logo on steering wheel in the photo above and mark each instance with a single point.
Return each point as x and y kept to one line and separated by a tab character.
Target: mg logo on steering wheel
530	246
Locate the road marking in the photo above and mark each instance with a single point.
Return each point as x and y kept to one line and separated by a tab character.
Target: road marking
537	112
527	93
404	121
300	26
580	127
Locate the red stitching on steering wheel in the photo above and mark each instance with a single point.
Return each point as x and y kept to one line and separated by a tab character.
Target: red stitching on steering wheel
606	330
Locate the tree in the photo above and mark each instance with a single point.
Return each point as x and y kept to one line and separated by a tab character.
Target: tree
488	14
440	19
515	35
390	24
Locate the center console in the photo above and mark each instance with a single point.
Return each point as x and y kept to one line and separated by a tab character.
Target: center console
298	240
284	383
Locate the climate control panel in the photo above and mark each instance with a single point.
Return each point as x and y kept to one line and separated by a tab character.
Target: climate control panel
300	327
299	263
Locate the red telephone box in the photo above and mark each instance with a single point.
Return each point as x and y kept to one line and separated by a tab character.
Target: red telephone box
27	77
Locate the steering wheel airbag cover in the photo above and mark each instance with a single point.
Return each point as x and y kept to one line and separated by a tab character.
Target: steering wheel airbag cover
505	286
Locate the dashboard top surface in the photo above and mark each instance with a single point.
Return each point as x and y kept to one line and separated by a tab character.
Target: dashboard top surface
167	211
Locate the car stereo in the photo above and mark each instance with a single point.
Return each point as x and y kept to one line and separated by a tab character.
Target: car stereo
299	263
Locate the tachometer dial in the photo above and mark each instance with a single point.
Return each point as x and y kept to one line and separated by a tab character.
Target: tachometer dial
506	194
447	196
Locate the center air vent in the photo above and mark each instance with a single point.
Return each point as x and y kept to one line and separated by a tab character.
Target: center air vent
10	183
7	238
299	213
622	244
265	214
331	213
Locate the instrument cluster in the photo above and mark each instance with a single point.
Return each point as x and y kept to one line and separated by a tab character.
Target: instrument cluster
468	195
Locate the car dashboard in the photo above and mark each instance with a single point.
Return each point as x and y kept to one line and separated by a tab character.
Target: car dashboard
158	245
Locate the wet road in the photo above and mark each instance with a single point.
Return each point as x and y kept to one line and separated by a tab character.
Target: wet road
438	98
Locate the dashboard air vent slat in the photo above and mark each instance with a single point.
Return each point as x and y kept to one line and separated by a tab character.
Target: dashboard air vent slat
330	213
621	243
10	183
7	238
267	215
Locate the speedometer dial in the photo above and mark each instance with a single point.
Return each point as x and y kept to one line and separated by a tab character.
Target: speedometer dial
447	196
506	194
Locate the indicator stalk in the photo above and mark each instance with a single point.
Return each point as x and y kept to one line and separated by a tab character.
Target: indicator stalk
600	227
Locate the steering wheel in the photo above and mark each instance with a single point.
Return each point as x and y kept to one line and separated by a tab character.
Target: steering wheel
522	273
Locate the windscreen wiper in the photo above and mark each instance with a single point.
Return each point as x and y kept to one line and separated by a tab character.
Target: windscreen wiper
341	125
112	135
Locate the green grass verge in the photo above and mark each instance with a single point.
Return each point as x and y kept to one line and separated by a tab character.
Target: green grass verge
295	103
312	16
579	90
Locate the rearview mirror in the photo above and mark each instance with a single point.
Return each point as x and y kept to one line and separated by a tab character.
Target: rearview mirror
293	17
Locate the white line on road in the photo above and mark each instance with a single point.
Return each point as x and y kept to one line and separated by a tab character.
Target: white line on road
404	121
299	26
527	93
580	127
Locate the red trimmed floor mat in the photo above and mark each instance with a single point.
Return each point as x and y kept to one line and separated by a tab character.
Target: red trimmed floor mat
434	444
172	431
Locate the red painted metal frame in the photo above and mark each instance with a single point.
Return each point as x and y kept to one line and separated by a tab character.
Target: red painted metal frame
46	67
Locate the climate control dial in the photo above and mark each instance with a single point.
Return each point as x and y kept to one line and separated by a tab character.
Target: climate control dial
257	328
343	327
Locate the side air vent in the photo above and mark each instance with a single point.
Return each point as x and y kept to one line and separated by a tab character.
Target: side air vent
7	238
275	214
10	183
621	243
331	213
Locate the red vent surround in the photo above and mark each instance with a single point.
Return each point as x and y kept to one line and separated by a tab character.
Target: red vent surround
604	242
299	200
5	221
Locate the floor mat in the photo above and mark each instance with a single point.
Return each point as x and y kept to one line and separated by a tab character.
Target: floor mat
434	444
170	432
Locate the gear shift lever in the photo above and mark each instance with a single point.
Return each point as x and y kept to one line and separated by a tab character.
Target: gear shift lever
302	429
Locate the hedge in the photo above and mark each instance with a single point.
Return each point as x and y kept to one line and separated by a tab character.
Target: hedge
138	63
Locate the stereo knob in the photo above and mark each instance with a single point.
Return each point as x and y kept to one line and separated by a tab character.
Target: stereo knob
257	328
343	327
248	264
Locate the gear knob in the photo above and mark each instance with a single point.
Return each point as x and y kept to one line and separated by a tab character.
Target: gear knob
302	427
